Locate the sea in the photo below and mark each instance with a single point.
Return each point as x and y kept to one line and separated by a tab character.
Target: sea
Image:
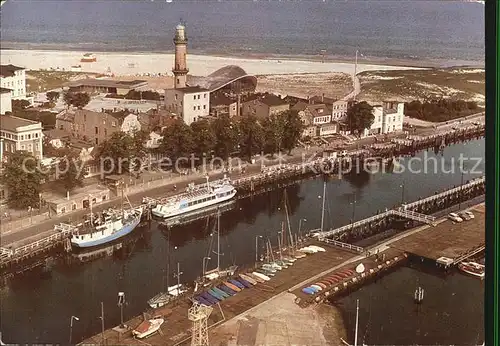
36	306
452	31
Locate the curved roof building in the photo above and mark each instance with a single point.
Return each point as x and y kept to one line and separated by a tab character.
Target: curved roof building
230	77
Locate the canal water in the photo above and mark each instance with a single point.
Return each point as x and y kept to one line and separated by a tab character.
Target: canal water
450	314
37	306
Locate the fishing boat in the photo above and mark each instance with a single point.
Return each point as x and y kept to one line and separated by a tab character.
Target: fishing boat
472	268
196	197
148	327
217	273
106	227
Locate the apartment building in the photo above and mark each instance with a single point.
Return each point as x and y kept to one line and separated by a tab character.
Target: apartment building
18	134
14	78
189	103
317	119
388	118
96	127
264	106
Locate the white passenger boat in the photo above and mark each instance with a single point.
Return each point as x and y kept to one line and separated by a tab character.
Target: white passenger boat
148	327
196	197
472	268
163	298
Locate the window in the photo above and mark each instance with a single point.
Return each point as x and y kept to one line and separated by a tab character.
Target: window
36	135
97	141
204	106
23	147
178	81
105	132
194	97
194	108
198	107
29	136
205	95
96	130
175	96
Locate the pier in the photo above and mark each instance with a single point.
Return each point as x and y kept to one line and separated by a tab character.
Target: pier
339	262
448	243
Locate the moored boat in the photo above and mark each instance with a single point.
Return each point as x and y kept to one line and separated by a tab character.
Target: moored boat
106	227
196	197
148	327
472	268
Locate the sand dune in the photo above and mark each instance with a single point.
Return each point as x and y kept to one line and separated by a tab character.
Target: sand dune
130	64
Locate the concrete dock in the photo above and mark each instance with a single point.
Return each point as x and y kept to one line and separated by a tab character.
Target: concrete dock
264	314
448	239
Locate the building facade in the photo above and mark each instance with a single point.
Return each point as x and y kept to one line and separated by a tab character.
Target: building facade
263	107
189	103
5	101
388	118
317	119
20	134
221	105
96	127
14	78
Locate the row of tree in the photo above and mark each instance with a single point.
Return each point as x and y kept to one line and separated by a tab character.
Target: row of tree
438	110
221	137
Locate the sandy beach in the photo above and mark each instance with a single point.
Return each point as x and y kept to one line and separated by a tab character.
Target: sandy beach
137	64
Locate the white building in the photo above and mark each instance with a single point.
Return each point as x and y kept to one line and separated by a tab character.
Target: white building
190	103
13	78
21	134
389	118
339	110
5	101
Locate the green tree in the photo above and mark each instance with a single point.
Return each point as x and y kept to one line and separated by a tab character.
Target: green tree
274	133
78	100
52	96
23	177
177	143
360	116
204	138
251	136
293	129
20	104
227	136
114	154
71	171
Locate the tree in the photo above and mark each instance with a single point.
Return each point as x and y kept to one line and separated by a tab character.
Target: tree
78	100
226	134
23	177
20	104
204	138
177	143
115	154
360	116
52	96
293	129
72	171
251	136
274	132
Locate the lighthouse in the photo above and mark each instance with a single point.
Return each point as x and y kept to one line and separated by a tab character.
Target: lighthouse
180	69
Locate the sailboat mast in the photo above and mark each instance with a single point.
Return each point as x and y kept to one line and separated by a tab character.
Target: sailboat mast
218	241
122	197
357	320
168	259
288	222
323	207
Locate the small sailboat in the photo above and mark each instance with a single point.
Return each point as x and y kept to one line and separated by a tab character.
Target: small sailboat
261	276
148	327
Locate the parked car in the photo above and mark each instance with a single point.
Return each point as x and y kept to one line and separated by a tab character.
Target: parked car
464	216
454	217
469	214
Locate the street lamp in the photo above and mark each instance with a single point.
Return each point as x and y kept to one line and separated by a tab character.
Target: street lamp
204	265
353	203
256	250
121	303
402	186
300	227
71	327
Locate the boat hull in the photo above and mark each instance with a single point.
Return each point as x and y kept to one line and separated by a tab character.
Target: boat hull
129	227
